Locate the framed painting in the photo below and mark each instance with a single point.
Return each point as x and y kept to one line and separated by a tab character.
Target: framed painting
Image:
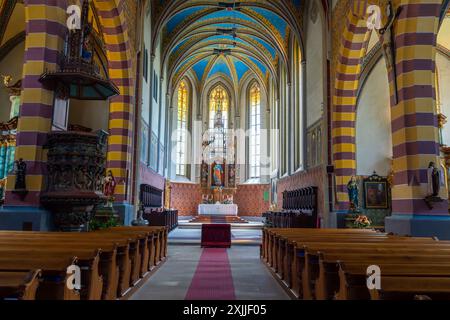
376	192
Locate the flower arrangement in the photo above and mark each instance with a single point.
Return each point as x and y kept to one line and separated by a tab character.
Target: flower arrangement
362	222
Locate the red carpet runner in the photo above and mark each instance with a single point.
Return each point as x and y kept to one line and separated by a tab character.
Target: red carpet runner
212	279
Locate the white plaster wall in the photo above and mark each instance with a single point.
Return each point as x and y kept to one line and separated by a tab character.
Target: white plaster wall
443	66
11	65
444	34
373	41
373	125
314	70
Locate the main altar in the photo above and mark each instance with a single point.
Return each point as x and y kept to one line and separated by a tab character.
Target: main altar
218	168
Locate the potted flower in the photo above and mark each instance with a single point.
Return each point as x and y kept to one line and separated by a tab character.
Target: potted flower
362	222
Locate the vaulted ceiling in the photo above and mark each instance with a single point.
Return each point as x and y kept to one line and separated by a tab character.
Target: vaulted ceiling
230	38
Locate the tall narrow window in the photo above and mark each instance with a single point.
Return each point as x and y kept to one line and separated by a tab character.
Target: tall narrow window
219	104
182	127
255	132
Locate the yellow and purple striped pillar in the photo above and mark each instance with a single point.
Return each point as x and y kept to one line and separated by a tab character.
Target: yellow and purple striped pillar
45	32
413	113
415	132
348	71
114	26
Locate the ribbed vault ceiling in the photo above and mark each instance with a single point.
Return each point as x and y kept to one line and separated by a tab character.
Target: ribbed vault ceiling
231	38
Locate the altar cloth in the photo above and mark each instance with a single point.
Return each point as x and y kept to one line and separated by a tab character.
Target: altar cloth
218	210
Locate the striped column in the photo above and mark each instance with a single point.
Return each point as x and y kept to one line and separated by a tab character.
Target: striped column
45	30
348	71
112	18
414	120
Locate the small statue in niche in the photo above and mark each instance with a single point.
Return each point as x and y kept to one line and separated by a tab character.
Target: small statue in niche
21	172
353	194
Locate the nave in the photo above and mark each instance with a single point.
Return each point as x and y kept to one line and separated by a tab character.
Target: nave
193	273
317	130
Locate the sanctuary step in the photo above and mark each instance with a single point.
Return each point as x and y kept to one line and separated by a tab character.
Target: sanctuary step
218	219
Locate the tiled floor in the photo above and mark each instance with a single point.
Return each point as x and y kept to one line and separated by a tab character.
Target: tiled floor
251	279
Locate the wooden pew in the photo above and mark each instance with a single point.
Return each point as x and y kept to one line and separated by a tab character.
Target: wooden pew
285	263
312	262
108	267
54	275
326	283
406	287
353	276
127	249
88	261
157	242
19	285
305	269
130	253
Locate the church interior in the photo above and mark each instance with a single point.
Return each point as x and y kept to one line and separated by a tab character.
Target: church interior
303	142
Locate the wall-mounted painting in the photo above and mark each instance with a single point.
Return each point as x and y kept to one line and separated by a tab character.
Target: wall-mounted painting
376	192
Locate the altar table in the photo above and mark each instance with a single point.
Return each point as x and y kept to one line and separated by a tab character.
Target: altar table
218	210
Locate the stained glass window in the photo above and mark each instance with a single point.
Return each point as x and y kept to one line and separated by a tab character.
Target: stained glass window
255	132
219	103
182	128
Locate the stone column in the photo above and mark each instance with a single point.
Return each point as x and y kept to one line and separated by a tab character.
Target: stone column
414	123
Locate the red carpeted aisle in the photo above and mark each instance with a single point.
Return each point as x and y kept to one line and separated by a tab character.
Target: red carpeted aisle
212	279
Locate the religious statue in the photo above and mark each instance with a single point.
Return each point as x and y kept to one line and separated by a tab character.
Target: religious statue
109	186
21	172
353	193
204	174
2	190
217	174
140	221
387	43
86	52
232	175
434	180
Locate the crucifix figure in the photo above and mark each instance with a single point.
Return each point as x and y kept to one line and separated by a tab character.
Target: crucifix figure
388	45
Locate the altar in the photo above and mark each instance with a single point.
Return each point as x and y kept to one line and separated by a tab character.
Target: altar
218	210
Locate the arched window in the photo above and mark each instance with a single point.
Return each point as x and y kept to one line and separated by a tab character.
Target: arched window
255	132
182	128
219	105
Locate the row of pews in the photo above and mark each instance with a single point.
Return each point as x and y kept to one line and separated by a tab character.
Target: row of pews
300	210
162	217
332	264
34	265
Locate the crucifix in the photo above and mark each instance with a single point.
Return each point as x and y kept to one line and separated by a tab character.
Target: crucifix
388	44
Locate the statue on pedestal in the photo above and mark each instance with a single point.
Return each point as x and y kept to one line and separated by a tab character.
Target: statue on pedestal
109	187
217	174
353	194
434	180
353	197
